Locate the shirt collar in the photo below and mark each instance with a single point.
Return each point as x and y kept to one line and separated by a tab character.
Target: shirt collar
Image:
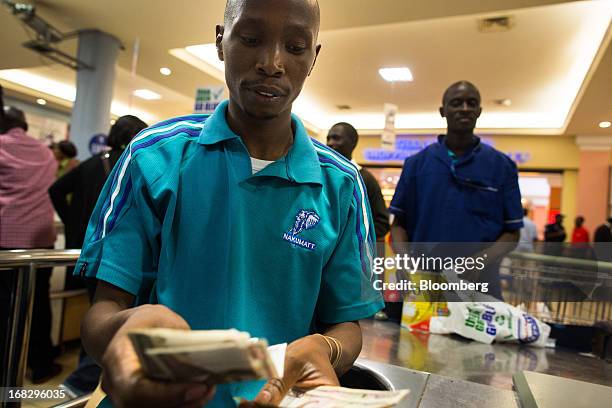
215	128
301	164
443	151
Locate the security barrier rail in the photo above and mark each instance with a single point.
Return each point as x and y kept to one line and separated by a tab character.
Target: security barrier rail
22	265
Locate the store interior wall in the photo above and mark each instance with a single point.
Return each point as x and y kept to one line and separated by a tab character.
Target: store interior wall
592	194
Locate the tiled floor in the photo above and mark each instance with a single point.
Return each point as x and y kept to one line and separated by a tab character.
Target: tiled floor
68	360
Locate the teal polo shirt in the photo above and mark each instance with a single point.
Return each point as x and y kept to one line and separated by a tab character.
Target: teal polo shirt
269	253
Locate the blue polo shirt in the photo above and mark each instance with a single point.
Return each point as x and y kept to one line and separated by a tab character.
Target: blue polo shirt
472	198
268	253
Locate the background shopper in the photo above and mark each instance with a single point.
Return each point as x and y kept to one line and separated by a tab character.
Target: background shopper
27	169
459	189
74	197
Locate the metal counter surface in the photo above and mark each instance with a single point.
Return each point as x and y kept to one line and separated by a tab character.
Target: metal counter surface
537	390
400	378
461	359
444	392
435	391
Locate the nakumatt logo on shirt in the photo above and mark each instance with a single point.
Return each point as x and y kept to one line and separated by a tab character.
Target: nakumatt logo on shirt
304	220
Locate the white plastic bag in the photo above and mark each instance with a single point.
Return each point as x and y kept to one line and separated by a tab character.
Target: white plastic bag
489	321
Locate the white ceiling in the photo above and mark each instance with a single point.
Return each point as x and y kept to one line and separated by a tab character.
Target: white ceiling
552	64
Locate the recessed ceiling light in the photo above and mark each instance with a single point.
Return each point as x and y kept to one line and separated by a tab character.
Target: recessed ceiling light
165	71
401	74
41	101
147	94
113	121
605	124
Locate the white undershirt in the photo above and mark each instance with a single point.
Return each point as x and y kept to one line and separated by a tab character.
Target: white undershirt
258	164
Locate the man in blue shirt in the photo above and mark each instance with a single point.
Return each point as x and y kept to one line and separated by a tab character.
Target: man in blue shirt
240	220
459	189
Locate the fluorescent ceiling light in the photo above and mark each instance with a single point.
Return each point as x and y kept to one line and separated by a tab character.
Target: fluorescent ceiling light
38	83
426	121
401	74
208	54
605	124
147	94
41	101
583	50
64	91
165	71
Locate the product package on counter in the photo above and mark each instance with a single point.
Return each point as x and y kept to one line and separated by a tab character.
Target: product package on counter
495	321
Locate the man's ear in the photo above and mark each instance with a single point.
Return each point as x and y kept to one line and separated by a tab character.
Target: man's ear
317	49
479	112
442	111
218	39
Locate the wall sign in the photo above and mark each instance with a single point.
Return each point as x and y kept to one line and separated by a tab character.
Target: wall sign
98	144
408	145
387	138
208	98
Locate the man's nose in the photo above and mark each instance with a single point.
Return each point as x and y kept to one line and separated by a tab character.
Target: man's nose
465	106
271	61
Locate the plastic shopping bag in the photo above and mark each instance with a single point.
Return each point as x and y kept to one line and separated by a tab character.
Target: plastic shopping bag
489	321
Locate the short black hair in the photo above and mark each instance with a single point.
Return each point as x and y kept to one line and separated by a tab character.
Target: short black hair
231	10
232	7
457	84
67	148
13	118
123	131
351	131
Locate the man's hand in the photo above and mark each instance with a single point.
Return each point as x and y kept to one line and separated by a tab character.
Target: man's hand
123	379
307	365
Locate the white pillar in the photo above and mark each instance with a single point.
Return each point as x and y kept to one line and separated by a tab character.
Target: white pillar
91	110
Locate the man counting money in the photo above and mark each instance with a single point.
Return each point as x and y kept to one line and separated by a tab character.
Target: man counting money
241	220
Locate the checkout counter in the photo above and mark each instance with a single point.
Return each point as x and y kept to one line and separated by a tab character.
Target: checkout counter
427	390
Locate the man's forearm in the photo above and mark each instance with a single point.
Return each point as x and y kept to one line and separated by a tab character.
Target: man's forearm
110	310
100	325
348	335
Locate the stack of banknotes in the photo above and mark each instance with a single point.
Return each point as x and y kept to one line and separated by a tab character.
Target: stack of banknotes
215	356
340	397
222	356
